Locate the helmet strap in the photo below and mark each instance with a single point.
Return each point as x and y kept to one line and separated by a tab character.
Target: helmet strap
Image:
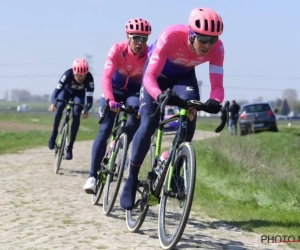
192	40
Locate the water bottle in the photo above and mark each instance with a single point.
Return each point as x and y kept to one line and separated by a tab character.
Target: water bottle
161	162
110	148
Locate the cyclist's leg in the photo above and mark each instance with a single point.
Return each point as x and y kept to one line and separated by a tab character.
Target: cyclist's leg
235	125
57	117
187	88
230	126
141	143
99	145
133	122
75	123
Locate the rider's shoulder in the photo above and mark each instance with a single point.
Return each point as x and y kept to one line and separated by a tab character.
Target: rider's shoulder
119	46
218	48
67	75
89	76
175	29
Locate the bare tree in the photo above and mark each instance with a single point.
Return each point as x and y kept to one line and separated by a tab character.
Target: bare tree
258	99
291	96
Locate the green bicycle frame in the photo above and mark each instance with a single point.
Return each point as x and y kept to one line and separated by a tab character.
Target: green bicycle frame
182	115
67	119
117	124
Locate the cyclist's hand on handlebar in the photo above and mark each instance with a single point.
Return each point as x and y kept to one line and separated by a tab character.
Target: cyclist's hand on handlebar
52	108
173	100
213	106
114	106
84	114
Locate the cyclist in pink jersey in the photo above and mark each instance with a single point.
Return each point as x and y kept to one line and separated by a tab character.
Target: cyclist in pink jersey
121	82
171	64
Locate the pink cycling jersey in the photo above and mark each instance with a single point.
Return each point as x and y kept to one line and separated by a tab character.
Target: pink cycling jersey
172	56
122	69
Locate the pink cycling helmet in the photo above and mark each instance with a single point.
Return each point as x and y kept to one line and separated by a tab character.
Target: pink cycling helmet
138	26
206	21
80	66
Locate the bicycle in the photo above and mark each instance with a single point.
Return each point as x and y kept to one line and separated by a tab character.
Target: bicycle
110	171
61	142
163	182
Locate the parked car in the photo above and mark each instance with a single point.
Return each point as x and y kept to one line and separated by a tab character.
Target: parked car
23	108
257	117
169	112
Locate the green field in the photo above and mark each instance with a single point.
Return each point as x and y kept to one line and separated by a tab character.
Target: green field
251	182
19	131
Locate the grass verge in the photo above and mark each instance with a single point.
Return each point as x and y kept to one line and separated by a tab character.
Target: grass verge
14	141
251	182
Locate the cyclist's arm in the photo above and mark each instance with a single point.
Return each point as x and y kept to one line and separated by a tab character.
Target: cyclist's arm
155	66
60	86
109	69
216	74
89	93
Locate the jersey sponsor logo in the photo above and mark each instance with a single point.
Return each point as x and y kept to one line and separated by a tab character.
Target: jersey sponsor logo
154	58
59	86
222	49
91	85
63	78
108	64
161	41
77	86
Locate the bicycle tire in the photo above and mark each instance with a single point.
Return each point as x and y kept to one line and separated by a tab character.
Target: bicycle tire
99	188
61	149
100	182
170	242
132	224
121	141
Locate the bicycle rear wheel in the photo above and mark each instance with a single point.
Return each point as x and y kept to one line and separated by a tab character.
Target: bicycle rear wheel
100	182
101	176
115	173
61	143
181	195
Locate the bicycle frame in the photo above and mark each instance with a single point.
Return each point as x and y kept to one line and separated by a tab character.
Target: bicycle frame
182	115
157	180
67	117
118	127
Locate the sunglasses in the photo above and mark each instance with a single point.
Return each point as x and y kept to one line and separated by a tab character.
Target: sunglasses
139	38
205	39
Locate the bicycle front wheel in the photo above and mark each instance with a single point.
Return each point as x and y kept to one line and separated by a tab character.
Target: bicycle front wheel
171	223
136	216
115	173
61	143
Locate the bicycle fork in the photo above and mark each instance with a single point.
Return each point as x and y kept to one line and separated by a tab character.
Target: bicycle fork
158	180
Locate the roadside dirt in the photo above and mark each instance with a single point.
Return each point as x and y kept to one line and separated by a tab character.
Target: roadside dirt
12	126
